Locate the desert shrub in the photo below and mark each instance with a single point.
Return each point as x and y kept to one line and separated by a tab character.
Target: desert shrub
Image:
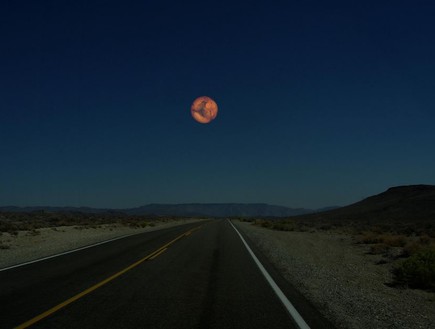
263	223
326	227
377	229
418	271
33	232
266	224
412	248
379	249
387	239
138	224
245	219
4	246
369	238
393	240
381	261
283	227
7	227
408	231
302	228
425	239
422	243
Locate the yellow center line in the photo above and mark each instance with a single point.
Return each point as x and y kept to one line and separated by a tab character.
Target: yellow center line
56	308
158	254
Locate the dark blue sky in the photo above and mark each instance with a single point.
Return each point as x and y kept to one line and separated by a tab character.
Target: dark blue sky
320	102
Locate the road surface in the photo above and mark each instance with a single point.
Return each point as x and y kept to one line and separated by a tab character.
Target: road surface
198	275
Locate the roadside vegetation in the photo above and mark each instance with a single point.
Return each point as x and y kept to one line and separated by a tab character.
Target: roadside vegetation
4	246
407	247
418	271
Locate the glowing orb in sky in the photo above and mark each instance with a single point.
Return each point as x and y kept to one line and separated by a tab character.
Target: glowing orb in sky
204	109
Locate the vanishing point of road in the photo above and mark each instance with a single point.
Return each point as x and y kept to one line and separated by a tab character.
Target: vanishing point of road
198	275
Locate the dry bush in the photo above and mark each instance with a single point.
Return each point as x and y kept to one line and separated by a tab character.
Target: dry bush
393	240
416	246
425	239
378	229
284	227
139	224
246	219
13	233
390	240
33	232
326	227
418	271
263	223
4	246
369	238
379	249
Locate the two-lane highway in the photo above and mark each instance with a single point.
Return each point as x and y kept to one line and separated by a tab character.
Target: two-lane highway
190	276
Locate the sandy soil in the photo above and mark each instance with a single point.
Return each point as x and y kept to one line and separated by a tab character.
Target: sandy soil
342	280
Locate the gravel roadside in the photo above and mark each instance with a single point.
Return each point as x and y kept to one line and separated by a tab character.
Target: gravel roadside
342	280
30	245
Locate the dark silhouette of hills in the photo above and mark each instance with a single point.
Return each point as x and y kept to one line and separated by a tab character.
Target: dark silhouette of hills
182	210
219	210
85	210
327	208
411	203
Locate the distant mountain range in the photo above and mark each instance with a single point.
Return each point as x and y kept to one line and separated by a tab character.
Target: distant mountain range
411	203
183	210
220	210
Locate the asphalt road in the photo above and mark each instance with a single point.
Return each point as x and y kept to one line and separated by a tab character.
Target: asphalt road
192	276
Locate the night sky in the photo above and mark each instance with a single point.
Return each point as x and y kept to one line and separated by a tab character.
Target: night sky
321	103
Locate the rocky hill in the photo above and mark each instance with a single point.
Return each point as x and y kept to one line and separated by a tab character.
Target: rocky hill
413	202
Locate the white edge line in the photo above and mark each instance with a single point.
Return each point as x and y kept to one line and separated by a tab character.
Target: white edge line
67	252
287	304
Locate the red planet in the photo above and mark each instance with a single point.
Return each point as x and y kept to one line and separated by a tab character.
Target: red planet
204	109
